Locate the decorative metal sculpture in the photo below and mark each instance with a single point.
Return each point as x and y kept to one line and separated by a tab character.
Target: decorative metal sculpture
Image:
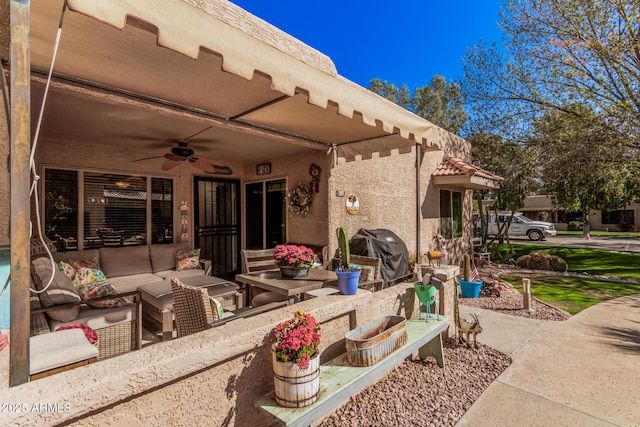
427	291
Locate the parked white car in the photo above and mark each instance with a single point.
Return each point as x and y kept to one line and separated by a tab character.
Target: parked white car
520	226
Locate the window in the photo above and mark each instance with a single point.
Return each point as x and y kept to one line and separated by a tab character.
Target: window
103	209
450	214
618	217
265	203
61	208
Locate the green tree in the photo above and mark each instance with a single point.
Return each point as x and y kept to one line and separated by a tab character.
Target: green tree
558	54
578	163
516	163
440	102
389	91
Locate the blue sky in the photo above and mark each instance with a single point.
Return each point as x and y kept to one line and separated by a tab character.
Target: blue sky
406	41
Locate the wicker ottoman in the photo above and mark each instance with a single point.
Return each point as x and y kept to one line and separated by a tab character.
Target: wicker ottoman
157	299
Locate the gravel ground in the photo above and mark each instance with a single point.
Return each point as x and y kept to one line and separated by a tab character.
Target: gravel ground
419	393
500	296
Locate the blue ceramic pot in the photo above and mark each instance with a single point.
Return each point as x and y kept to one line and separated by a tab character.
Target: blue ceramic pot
470	289
348	281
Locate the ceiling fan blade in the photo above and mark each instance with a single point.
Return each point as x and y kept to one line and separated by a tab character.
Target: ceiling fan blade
147	158
174	157
202	164
169	164
206	159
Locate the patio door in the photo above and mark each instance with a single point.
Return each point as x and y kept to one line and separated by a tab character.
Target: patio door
266	213
217	224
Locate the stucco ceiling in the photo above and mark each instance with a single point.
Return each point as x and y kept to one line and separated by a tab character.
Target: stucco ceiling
73	117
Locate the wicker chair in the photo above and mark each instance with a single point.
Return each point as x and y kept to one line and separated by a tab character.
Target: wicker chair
374	283
192	308
258	260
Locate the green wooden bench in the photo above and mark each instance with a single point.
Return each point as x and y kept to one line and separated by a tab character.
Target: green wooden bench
339	380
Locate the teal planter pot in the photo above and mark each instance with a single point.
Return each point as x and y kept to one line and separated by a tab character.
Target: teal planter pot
348	281
470	289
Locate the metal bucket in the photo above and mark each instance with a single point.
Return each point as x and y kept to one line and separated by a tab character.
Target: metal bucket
369	344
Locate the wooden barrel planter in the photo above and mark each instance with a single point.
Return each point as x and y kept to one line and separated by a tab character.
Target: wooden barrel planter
295	387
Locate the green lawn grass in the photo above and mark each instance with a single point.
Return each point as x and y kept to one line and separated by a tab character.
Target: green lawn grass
574	294
591	261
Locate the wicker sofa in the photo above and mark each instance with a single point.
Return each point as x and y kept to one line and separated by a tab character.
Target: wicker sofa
142	272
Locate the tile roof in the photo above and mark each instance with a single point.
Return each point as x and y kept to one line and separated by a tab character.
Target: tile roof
453	166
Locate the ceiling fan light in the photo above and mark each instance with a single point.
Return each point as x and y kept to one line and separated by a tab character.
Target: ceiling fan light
122	184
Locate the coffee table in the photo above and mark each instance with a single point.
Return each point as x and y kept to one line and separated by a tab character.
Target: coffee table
271	280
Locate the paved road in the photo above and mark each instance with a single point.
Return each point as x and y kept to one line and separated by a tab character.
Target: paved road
620	244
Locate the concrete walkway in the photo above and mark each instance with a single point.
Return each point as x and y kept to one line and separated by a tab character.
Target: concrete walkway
584	371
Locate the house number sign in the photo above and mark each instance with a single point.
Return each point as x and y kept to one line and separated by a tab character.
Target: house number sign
263	169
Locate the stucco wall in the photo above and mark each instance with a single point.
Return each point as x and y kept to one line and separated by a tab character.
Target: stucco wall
386	190
385	187
448	144
214	375
310	228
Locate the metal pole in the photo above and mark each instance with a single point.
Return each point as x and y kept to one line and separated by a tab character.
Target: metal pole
20	209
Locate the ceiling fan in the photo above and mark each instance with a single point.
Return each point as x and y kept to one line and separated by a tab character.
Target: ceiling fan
182	152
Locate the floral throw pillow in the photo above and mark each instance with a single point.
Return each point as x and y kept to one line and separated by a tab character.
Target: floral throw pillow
188	260
93	262
367	273
67	269
86	275
89	291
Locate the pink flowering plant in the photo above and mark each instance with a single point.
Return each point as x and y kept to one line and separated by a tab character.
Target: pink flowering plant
293	256
297	340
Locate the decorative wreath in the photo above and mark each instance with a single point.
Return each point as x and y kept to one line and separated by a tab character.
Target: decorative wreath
300	199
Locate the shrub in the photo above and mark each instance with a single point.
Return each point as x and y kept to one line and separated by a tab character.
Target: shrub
522	261
539	261
558	264
574	226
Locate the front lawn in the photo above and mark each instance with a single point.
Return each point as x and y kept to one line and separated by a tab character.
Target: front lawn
591	261
572	294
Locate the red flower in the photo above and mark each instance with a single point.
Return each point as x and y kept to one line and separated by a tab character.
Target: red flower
297	340
292	255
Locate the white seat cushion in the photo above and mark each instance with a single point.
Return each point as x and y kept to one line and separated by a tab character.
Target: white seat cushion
60	348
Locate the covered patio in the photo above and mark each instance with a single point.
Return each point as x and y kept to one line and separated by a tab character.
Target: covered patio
129	81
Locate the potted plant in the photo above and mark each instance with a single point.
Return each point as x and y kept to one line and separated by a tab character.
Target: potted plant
296	360
469	285
348	275
293	261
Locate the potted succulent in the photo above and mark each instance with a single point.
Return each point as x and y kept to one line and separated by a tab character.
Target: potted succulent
296	360
469	284
348	275
293	261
